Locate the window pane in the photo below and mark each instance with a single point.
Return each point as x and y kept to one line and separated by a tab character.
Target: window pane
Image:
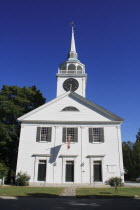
70	132
96	134
44	133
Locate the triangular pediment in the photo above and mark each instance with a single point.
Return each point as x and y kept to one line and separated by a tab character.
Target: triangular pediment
53	111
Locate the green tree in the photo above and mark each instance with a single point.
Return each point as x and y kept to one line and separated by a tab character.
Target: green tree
138	136
3	170
128	159
131	158
14	102
136	153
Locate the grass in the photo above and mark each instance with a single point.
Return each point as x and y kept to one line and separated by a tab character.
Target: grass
109	192
56	191
30	191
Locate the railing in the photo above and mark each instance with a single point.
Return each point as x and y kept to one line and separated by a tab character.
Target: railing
70	72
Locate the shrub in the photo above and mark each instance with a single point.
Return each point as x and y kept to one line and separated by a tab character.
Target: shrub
22	179
114	182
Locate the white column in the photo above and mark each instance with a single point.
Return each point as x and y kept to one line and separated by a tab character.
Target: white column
121	169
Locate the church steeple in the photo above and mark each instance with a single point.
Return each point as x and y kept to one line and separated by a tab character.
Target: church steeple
72	54
71	73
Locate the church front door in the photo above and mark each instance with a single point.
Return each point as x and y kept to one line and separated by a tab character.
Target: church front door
42	170
69	171
97	171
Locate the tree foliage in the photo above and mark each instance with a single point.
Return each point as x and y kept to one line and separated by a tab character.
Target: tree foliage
138	136
131	158
14	102
3	170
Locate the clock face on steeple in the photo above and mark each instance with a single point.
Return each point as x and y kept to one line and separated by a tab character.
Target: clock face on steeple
70	84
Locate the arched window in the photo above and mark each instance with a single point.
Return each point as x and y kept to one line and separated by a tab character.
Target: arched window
71	67
79	67
63	67
70	108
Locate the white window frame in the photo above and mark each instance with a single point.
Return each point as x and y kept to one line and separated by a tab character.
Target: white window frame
69	135
96	135
41	134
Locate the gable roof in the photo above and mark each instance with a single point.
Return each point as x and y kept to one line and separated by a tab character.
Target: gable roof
78	98
97	107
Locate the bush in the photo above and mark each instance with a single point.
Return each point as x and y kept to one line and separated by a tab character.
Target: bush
22	179
114	182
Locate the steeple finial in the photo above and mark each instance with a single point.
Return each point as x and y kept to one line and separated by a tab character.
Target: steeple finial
72	54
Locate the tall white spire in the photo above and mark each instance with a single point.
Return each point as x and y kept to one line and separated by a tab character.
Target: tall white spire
73	48
72	54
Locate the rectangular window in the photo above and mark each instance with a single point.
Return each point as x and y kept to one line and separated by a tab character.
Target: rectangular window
96	135
71	133
44	134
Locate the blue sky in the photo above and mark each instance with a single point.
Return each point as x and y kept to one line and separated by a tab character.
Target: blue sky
35	39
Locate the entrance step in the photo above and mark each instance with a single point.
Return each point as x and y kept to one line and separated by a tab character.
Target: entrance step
69	185
69	191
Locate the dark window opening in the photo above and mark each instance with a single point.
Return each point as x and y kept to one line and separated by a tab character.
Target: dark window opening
71	67
79	68
70	108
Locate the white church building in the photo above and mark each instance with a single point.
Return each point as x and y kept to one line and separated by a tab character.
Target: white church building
70	139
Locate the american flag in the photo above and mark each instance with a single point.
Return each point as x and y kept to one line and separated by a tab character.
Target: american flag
68	140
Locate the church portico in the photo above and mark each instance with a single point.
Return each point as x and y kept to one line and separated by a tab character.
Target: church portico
70	140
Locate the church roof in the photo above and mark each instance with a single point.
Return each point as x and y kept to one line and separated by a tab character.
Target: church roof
81	100
97	107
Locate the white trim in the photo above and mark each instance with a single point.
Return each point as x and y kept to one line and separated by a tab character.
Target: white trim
36	168
41	155
93	158
119	151
89	123
68	156
64	159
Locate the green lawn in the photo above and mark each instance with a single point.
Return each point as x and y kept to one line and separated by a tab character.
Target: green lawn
108	192
56	191
31	191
